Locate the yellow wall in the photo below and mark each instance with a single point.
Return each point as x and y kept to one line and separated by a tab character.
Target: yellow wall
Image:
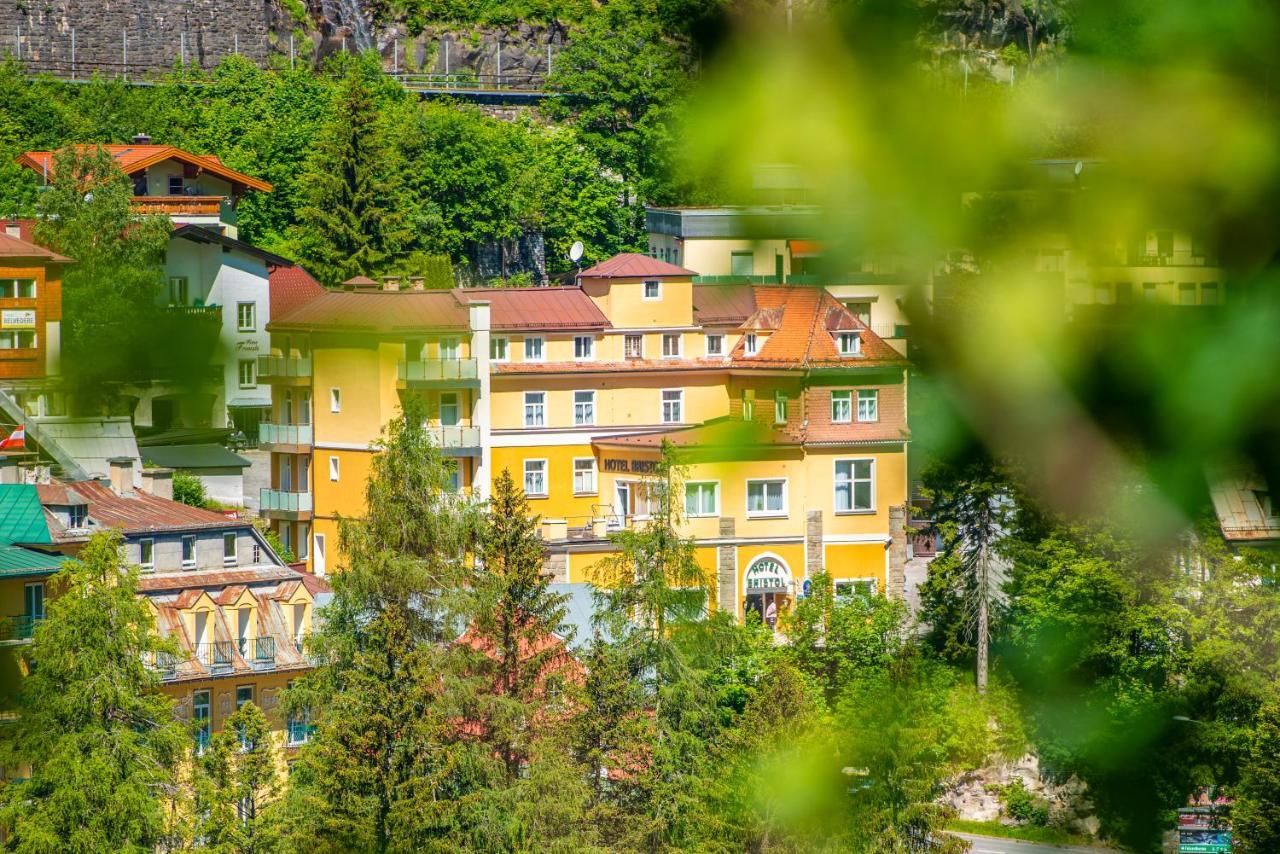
367	378
622	301
639	403
560	502
713	256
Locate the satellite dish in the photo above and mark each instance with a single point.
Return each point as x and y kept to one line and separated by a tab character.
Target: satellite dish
1079	167
88	197
575	251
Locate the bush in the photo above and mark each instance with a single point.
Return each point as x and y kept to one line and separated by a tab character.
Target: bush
188	489
1023	805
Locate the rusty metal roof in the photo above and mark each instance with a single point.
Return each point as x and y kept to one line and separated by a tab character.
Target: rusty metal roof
628	265
539	308
132	513
715	305
376	311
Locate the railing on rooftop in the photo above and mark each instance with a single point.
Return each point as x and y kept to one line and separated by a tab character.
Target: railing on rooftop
284	434
18	628
737	280
258	651
285	502
216	656
438	370
284	367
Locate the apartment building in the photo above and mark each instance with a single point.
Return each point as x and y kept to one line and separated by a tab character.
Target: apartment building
788	411
30	309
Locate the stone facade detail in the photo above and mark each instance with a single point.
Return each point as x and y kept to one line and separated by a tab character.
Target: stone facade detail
814	553
557	567
727	570
896	583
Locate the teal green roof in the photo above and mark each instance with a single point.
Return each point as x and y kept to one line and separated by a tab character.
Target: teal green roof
15	560
21	516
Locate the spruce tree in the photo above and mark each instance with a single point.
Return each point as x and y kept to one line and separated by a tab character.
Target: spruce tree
101	742
237	787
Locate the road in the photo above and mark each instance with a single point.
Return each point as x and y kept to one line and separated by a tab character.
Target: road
994	845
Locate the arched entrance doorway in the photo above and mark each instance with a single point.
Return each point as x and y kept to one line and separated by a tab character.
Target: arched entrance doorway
767	585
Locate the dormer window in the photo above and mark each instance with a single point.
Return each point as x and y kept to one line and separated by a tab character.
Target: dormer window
750	345
653	290
78	516
850	343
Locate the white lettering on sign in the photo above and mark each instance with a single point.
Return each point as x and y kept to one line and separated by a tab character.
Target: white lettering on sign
18	318
768	575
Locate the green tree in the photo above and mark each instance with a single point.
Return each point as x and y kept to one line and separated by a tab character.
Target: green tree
101	742
237	787
189	489
1256	814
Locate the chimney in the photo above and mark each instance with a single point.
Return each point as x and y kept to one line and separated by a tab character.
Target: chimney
142	139
158	482
391	283
13	230
121	474
417	283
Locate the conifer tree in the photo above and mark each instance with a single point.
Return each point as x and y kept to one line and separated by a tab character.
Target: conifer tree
238	787
101	742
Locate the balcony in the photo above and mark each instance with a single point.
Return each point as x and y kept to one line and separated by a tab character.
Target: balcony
737	280
259	653
288	435
212	313
431	373
284	370
462	441
179	205
18	629
281	504
215	657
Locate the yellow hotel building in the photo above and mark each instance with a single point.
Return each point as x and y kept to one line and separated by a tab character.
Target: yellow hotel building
788	411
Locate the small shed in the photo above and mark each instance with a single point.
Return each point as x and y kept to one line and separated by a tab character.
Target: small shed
220	470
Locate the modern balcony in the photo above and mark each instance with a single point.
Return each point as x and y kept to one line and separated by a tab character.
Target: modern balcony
284	370
283	504
458	440
436	373
179	205
284	437
18	629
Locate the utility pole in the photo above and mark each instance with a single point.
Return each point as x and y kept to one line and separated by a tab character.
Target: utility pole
73	53
984	615
291	66
124	52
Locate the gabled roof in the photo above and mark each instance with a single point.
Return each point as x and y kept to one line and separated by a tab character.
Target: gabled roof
200	234
135	157
16	561
376	311
803	322
289	287
135	512
16	249
539	308
21	516
634	265
192	457
715	305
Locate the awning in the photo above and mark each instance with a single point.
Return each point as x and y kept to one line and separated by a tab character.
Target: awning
806	248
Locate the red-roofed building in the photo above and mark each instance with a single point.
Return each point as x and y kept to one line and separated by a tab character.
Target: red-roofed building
30	307
290	287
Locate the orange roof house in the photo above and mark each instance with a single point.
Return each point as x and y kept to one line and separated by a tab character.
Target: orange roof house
30	306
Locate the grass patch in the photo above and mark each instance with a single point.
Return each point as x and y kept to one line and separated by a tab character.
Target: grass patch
1028	833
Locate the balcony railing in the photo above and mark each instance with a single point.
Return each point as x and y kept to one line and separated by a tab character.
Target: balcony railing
215	656
298	730
258	651
285	502
455	437
737	280
284	367
19	628
438	370
209	312
170	205
284	434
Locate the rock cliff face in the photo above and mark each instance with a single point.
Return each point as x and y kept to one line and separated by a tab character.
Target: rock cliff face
975	795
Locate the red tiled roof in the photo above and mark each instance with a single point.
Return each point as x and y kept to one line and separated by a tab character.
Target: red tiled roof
291	287
376	311
14	248
134	157
135	512
801	321
539	308
720	304
632	264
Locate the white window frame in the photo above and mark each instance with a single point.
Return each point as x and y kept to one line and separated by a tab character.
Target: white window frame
142	561
718	352
715	499
335	468
450	348
852	482
767	513
455	405
590	348
847	399
590	410
233	558
252	325
843	340
593	487
627	338
668	337
499	348
546	478
189	564
843	587
871	412
16	284
780	405
679	404
750	344
538	345
253	373
657	290
335	400
540	410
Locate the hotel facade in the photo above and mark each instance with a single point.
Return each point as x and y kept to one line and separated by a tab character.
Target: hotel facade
787	413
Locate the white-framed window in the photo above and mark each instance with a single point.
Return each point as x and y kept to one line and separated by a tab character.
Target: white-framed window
855	486
177	186
17	339
201	713
741	263
750	344
450	412
230	548
455	476
78	516
147	554
845	588
715	345
841	407
672	406
584	347
850	343
535	409
584	407
748	404
533	348
334	469
188	551
767	497
17	288
701	498
450	348
246	316
868	404
248	373
498	348
652	290
779	407
177	290
1210	294
584	476
633	346
671	345
335	400
535	478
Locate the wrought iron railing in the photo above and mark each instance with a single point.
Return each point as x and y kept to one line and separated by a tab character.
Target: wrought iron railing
215	656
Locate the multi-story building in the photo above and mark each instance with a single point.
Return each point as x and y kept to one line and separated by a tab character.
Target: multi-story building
30	309
788	411
238	615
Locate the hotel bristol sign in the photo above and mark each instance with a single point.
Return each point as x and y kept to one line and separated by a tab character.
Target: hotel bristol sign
632	466
768	575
